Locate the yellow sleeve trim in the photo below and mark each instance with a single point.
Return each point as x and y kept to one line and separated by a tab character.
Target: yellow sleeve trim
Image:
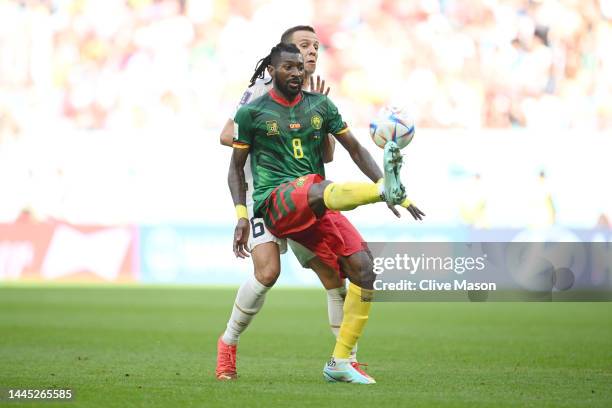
343	131
239	145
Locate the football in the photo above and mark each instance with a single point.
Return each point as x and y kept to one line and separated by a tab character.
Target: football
392	124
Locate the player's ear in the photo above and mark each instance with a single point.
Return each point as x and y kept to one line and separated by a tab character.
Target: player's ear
271	70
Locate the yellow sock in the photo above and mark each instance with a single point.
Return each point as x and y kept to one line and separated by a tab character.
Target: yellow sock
356	314
347	196
406	203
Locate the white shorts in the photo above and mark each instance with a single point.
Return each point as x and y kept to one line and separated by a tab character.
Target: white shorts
259	234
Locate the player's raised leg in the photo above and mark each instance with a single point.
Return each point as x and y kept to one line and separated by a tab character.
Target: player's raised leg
350	195
249	301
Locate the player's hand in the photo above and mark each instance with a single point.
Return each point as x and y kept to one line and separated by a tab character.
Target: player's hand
241	238
394	210
320	86
415	212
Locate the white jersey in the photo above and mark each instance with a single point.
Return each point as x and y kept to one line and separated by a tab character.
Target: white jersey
259	233
259	88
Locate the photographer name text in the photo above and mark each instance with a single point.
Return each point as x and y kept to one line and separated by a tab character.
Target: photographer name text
432	285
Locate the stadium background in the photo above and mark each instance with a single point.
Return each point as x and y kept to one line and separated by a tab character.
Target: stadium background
111	168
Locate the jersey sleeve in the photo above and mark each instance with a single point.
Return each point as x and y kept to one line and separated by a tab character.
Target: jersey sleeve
243	129
335	124
247	96
261	87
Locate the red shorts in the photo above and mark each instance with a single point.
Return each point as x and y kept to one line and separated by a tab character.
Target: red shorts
288	215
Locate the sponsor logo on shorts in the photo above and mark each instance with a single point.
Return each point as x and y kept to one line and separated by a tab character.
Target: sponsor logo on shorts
316	121
272	127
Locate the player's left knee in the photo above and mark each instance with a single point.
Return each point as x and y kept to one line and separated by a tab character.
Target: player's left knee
362	268
367	275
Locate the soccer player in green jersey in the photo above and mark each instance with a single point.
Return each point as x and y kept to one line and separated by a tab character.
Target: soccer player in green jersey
283	133
264	247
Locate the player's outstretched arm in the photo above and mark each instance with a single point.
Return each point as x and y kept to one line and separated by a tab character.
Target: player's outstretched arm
237	186
227	134
362	158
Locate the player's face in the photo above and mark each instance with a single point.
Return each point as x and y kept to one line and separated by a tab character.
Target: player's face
288	75
308	43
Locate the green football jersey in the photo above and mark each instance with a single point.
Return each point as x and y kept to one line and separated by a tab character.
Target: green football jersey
285	139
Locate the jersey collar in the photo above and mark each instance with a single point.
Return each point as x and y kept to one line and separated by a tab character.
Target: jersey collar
282	101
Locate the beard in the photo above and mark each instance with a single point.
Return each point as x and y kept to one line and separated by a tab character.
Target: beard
287	90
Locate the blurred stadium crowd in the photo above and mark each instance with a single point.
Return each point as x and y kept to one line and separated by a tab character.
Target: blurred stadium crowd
118	64
139	89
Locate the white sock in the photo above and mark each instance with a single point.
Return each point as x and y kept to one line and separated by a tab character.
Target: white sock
335	304
335	313
249	300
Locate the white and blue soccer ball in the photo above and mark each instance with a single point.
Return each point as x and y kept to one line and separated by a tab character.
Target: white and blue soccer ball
392	124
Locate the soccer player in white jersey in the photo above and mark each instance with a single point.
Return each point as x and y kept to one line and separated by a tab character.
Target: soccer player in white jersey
265	247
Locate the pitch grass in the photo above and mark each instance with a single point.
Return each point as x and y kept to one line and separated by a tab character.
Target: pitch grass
155	347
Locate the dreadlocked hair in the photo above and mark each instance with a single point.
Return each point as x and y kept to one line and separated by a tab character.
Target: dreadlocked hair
260	69
271	59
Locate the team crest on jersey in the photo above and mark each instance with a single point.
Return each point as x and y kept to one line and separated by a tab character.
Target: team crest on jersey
316	121
272	127
300	181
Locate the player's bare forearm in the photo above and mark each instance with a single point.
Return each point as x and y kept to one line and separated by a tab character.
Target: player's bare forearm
362	158
237	185
329	145
235	176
